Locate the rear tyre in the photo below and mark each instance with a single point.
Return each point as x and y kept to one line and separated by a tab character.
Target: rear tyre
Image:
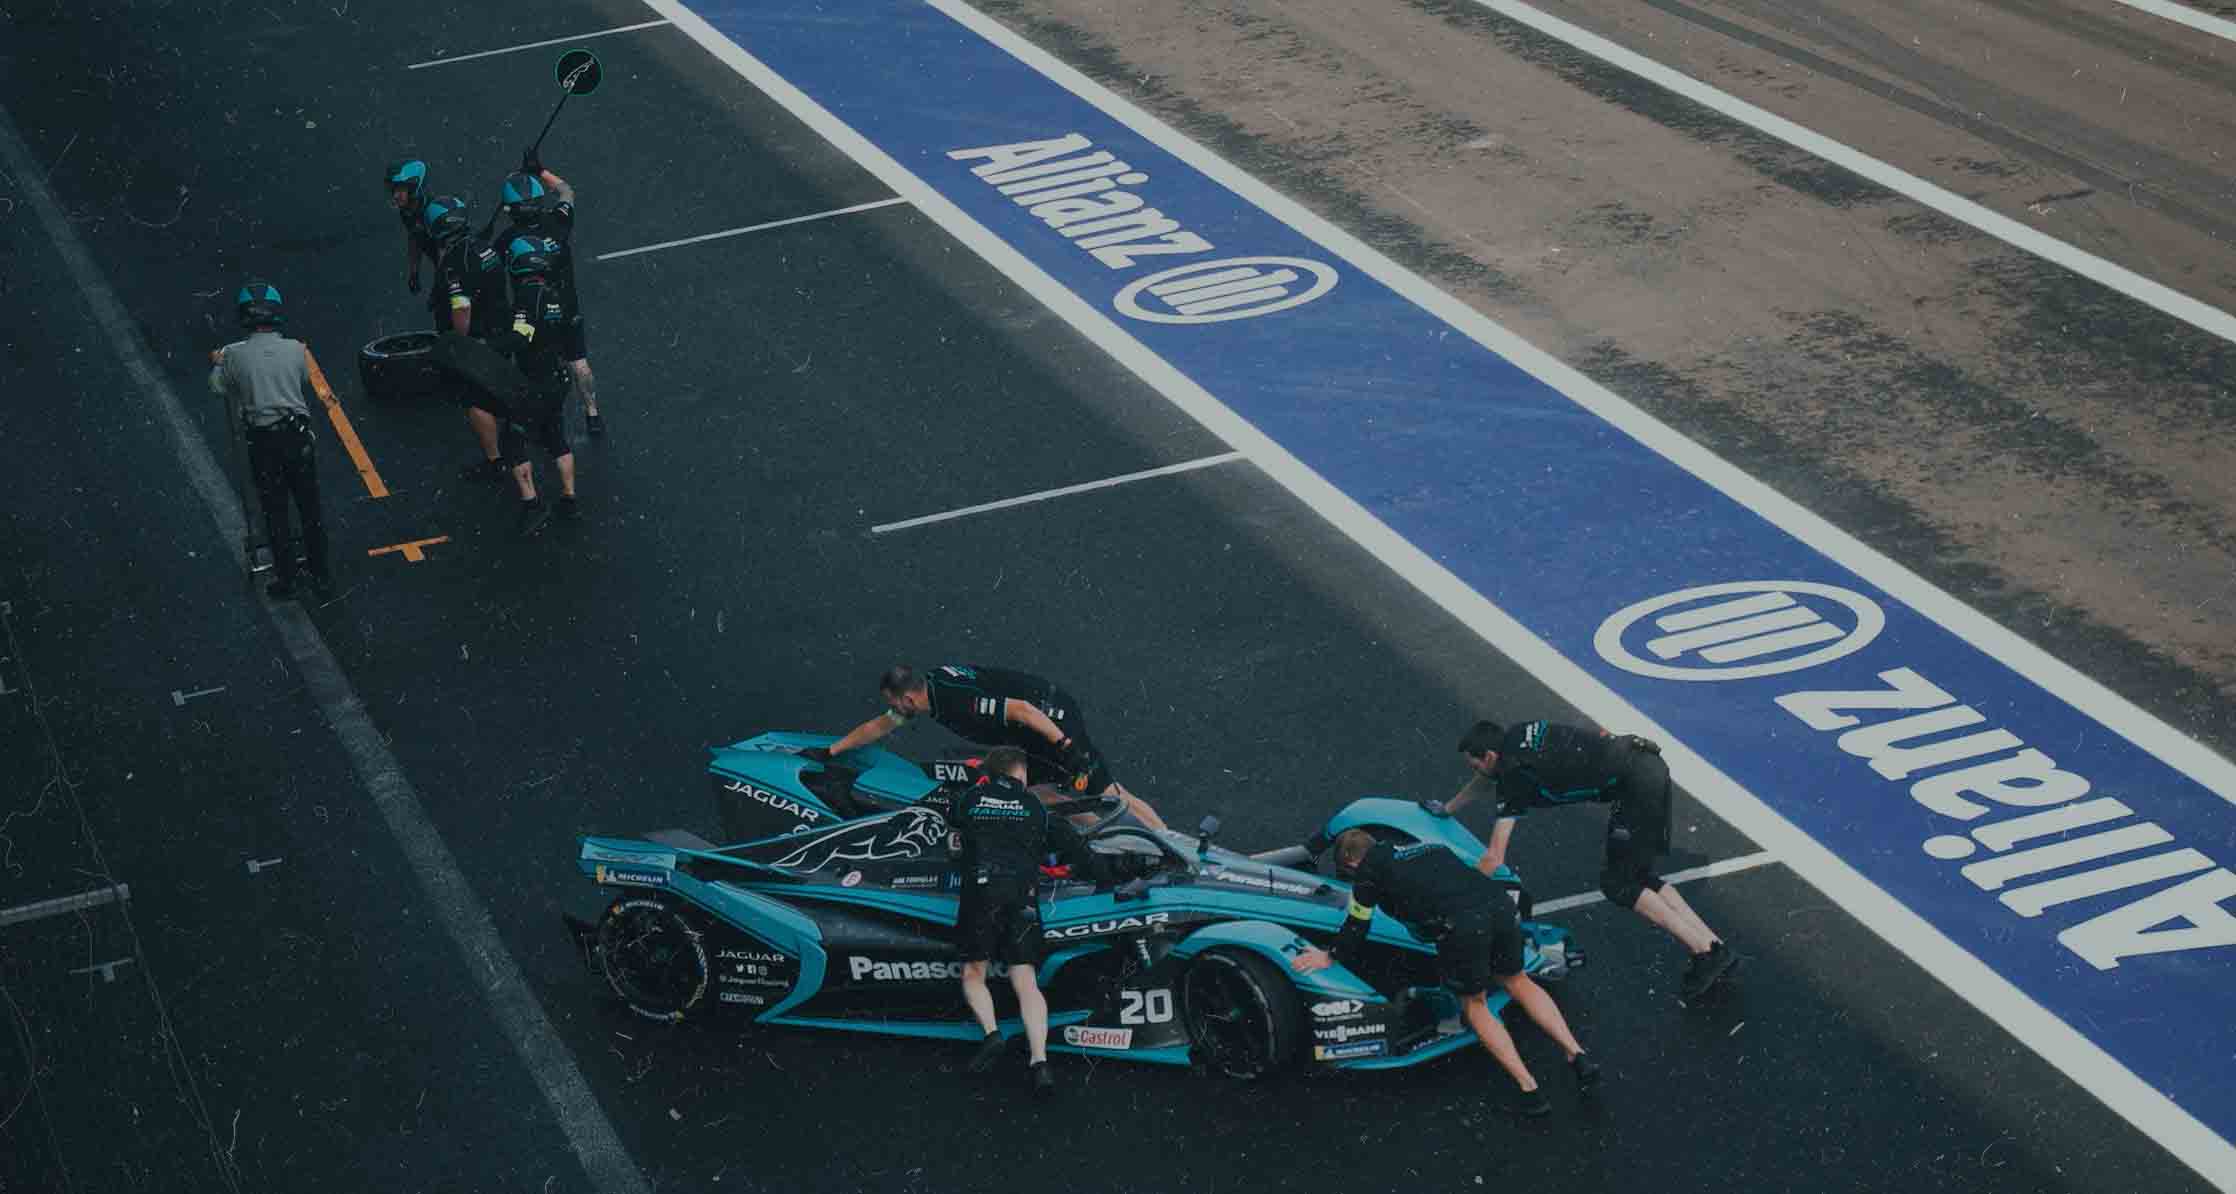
399	366
654	960
1244	1019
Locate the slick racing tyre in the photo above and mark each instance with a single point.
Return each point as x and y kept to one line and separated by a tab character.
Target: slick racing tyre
399	366
654	960
1244	1020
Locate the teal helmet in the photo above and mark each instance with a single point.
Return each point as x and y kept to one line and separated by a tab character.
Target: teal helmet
258	303
410	173
445	218
529	256
519	188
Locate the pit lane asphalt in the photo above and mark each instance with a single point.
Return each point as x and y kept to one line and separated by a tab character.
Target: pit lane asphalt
772	396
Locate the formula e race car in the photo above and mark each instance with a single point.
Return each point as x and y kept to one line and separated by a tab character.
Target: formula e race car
835	908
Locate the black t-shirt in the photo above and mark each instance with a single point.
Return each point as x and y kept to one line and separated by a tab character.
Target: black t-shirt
1545	763
970	700
1417	884
531	338
1007	834
554	220
470	271
1420	882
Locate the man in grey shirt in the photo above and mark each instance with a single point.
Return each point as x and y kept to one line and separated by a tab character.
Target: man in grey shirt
267	379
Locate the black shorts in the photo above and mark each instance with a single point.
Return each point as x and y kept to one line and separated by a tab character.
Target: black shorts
1480	948
998	925
1638	827
541	418
573	345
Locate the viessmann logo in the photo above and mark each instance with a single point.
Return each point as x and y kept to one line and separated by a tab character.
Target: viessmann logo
1739	630
1088	196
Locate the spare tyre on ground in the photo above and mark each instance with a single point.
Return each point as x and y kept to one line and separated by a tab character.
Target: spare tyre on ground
400	366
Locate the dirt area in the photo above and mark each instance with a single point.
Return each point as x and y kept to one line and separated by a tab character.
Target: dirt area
2047	450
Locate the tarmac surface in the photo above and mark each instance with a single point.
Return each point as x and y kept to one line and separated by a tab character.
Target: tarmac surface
284	1011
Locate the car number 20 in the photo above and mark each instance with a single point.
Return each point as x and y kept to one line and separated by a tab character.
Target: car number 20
1145	1007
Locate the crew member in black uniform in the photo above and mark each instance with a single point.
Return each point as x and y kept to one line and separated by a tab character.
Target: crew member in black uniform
470	290
1478	938
406	183
1007	835
267	376
539	202
1543	764
994	706
532	340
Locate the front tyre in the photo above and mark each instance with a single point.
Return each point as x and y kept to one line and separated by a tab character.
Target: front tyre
654	960
1244	1019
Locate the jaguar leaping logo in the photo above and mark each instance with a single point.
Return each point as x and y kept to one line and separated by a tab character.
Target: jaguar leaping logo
908	833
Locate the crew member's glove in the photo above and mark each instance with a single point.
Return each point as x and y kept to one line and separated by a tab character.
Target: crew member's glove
413	281
1139	866
1083	767
821	754
1435	808
530	163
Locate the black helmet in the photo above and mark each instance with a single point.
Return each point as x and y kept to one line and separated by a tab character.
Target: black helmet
445	218
258	303
411	173
529	256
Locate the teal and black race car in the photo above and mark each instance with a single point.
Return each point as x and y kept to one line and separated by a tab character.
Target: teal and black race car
833	910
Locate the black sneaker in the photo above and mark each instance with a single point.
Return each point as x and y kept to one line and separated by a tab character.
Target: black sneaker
570	509
1586	1071
533	515
595	422
1530	1104
484	470
283	589
990	1051
1044	1079
1706	968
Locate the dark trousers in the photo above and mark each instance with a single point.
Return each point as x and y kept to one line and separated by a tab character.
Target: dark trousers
284	464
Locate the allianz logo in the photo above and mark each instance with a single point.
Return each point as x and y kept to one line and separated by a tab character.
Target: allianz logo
1080	193
2022	829
1739	631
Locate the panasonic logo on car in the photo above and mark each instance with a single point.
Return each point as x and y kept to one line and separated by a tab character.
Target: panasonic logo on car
1914	732
1078	191
1099	1038
1107	926
859	968
782	804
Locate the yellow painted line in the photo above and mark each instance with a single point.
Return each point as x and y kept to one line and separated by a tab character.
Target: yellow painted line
346	433
411	550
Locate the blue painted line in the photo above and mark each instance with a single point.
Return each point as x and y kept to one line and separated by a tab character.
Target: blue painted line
2050	851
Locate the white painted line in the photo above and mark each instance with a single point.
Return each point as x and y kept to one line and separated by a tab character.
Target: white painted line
535	45
1065	491
2185	15
181	698
107	970
2142	1105
492	968
1729	866
693	240
2135	286
64	905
